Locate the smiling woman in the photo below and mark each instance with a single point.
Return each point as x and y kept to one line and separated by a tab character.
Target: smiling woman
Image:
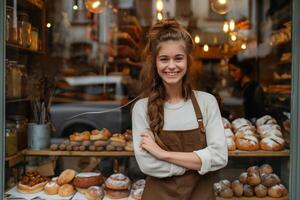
178	134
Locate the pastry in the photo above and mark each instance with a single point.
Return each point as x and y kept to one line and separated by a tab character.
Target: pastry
230	144
104	134
248	191
129	146
269	180
226	123
137	193
31	182
66	190
253	178
66	176
51	188
94	193
247	143
237	188
243	177
116	194
261	190
265	169
87	179
117	182
272	143
79	137
267	119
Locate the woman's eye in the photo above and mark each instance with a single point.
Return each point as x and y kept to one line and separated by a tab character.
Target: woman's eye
163	59
179	58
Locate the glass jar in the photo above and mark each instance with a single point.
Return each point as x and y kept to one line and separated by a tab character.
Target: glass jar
11	143
11	25
13	80
21	124
24	78
34	39
24	30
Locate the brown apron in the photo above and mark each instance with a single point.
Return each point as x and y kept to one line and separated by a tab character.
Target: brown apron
191	185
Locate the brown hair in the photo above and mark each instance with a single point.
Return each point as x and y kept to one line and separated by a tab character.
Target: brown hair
151	83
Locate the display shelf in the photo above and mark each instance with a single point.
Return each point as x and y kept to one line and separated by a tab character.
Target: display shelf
237	153
29	152
259	153
17	100
15	159
22	49
253	198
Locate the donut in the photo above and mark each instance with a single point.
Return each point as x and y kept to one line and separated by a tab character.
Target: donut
51	188
87	179
117	182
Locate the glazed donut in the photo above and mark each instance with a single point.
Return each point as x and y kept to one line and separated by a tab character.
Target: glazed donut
66	176
117	182
272	143
226	123
66	190
267	119
94	193
247	143
51	188
116	194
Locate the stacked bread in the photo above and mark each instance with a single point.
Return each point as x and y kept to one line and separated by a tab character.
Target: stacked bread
117	186
256	181
270	134
245	137
229	135
96	140
62	185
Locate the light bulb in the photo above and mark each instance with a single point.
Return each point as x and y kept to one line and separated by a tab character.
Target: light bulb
233	37
159	5
244	46
231	25
48	25
219	6
197	39
96	6
225	27
205	48
159	16
75	7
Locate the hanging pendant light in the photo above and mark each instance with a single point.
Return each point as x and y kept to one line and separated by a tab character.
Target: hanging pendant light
219	6
96	6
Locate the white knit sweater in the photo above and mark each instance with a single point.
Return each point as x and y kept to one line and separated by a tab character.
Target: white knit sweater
181	116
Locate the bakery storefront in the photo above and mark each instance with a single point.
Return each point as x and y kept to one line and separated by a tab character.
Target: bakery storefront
69	77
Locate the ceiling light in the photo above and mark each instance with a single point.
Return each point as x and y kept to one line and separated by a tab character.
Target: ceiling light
96	6
219	6
205	48
159	5
197	39
75	7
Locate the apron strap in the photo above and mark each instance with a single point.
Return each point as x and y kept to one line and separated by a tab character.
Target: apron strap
198	112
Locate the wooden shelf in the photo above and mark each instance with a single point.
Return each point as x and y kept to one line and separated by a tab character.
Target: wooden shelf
259	153
22	49
17	100
253	198
15	159
28	152
237	153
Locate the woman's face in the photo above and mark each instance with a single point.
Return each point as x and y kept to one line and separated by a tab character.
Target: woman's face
235	72
171	62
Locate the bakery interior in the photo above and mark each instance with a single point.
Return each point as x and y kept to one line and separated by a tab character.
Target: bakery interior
71	78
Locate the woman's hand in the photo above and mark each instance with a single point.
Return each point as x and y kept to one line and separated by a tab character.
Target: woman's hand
148	144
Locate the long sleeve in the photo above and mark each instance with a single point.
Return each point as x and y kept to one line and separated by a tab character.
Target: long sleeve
215	155
148	163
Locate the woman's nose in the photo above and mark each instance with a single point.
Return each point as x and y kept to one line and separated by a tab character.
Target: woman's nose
171	64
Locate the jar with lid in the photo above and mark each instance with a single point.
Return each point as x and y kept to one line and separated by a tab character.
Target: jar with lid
11	25
21	124
13	80
24	30
11	143
34	39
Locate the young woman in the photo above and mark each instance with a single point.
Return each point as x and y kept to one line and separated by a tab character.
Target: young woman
178	134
